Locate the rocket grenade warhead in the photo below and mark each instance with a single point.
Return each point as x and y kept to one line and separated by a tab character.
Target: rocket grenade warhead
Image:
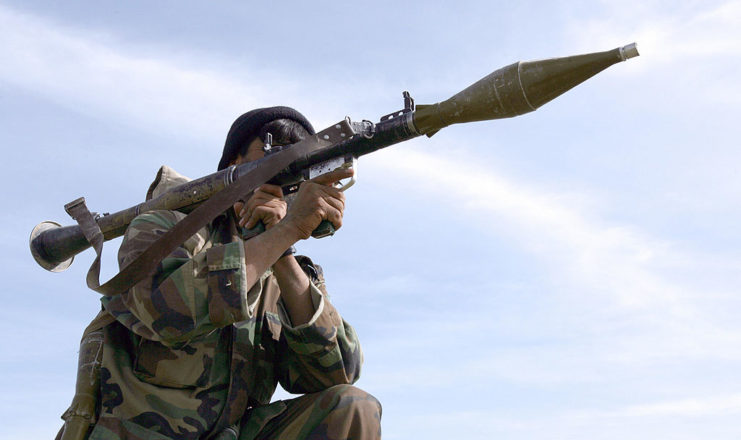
517	89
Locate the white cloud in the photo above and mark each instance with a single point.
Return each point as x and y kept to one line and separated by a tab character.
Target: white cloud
611	257
190	94
689	407
640	280
76	70
690	45
681	34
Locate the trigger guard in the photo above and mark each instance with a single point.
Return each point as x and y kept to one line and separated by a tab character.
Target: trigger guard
347	185
351	182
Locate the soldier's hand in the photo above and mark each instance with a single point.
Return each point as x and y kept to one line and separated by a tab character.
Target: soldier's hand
318	200
266	204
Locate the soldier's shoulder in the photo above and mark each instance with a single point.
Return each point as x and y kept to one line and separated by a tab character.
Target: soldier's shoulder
158	218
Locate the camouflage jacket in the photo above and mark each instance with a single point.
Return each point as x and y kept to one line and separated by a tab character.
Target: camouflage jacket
193	345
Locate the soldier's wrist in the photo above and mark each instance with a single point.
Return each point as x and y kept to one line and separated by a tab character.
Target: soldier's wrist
291	230
284	233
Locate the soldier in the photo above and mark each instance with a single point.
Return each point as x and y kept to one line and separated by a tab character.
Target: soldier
197	349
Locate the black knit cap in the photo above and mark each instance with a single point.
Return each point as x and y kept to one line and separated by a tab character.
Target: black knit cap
246	127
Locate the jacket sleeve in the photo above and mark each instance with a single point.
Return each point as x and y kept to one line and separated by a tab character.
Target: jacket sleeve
194	290
321	353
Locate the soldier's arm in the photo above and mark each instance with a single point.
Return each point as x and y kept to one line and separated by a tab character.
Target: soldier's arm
316	200
321	353
317	348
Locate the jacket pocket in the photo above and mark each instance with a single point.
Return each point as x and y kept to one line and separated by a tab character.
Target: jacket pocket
188	366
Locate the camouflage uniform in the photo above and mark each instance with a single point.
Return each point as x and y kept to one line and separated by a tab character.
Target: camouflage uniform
195	352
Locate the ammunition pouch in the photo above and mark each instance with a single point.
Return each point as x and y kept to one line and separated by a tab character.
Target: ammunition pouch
81	414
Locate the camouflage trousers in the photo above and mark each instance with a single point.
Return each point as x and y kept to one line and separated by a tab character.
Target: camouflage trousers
337	413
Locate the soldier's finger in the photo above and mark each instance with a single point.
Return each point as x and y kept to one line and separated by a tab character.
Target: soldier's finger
323	190
273	190
333	214
252	221
337	203
261	198
334	176
254	201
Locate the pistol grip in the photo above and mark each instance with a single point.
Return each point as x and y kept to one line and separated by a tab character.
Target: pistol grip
258	229
325	229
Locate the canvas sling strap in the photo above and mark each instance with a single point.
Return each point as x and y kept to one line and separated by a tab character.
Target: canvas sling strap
147	261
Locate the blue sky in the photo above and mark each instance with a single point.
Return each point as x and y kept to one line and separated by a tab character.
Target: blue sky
571	273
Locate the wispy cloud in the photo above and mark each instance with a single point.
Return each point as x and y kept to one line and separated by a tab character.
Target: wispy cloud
683	32
183	93
95	74
684	42
633	275
690	407
592	252
688	43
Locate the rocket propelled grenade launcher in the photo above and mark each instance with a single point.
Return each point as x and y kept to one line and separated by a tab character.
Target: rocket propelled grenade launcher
513	90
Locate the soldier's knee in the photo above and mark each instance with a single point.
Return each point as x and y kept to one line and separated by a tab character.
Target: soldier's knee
350	413
360	402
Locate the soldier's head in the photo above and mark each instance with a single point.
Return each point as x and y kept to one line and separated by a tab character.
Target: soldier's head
247	134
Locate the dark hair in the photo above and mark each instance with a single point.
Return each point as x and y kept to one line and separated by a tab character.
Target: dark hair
284	132
285	124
